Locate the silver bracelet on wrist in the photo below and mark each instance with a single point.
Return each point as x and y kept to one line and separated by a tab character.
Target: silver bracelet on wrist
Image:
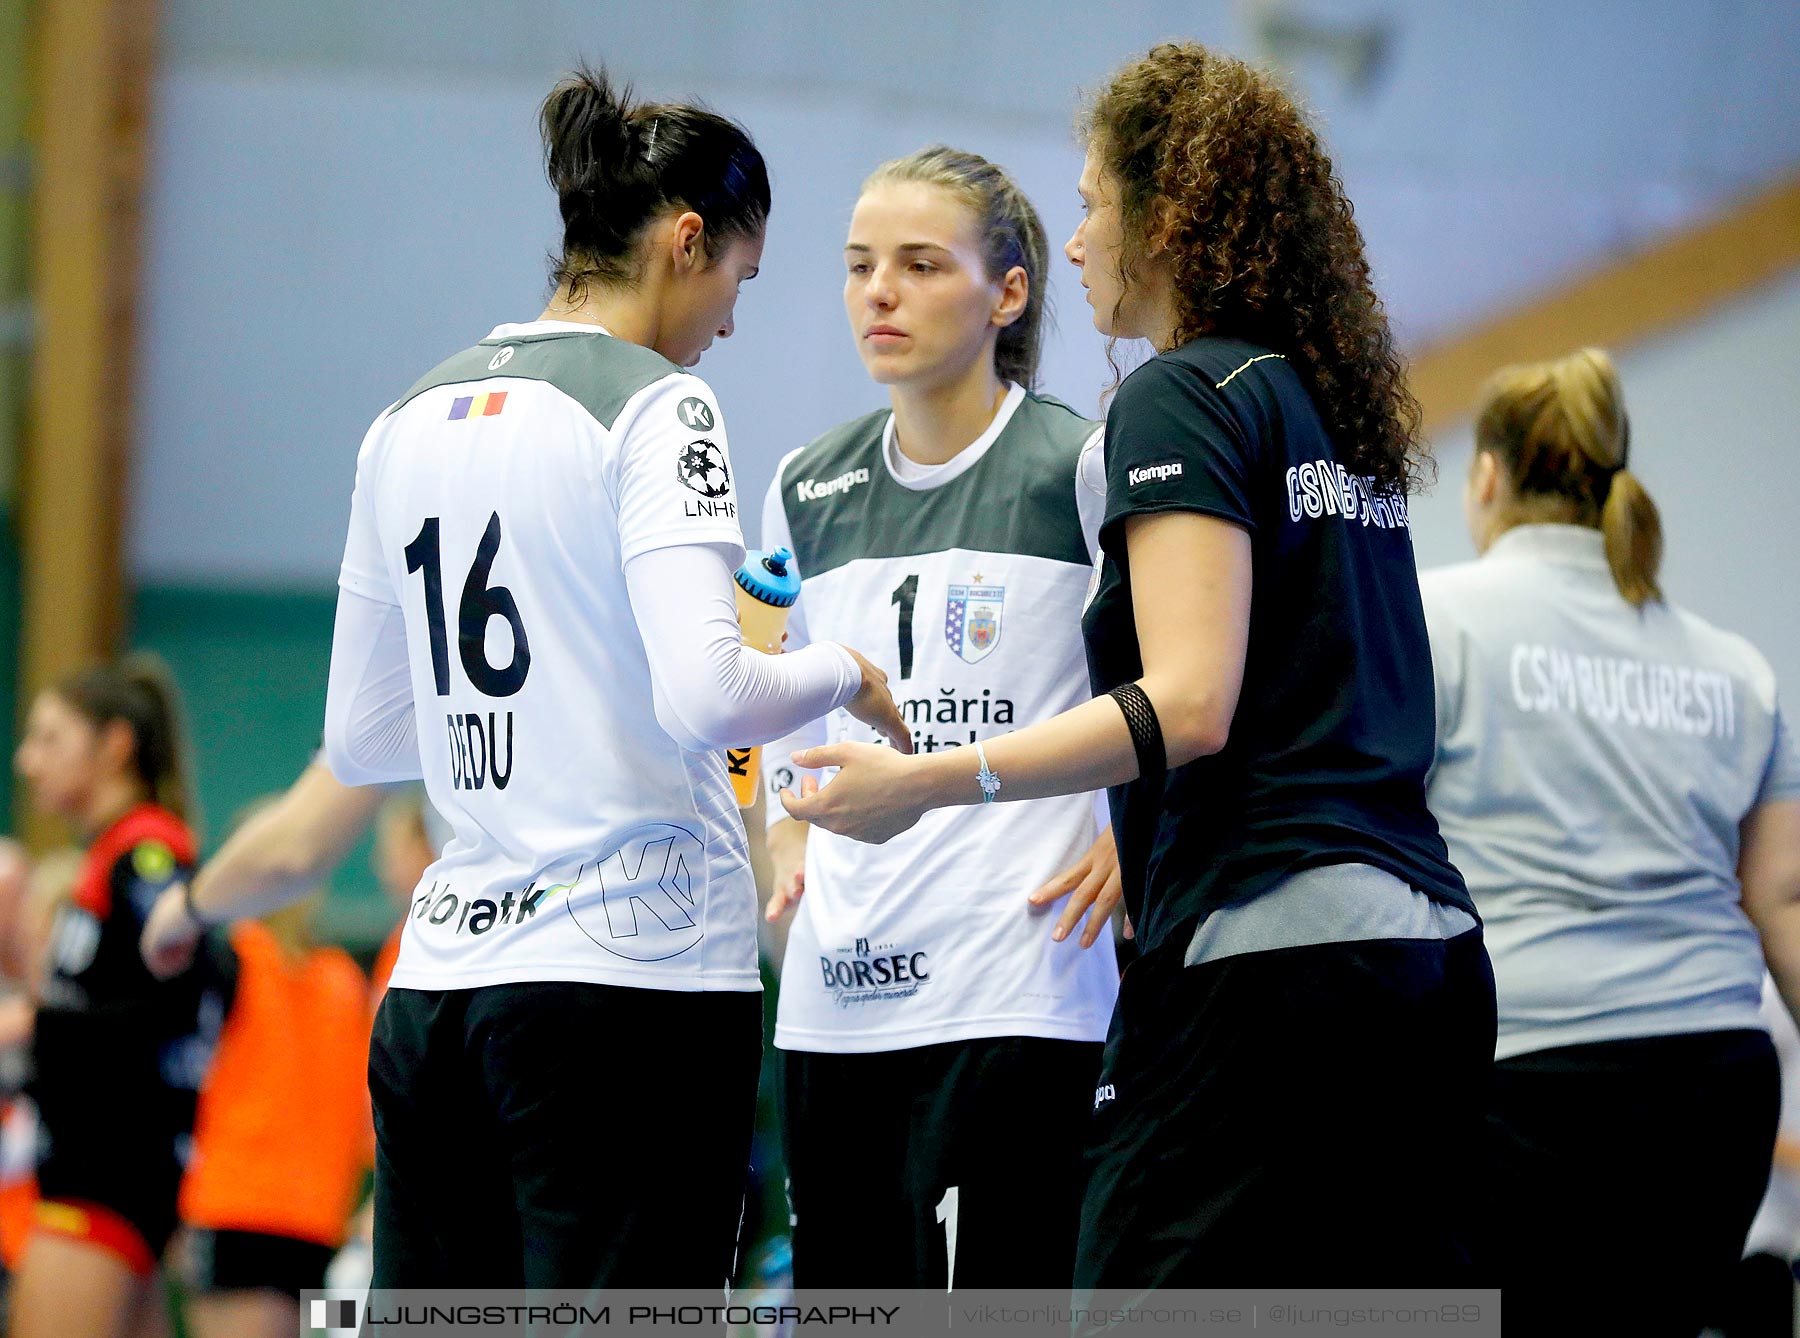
985	778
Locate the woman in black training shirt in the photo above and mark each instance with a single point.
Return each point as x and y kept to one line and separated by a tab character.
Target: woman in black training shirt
117	1055
1295	1071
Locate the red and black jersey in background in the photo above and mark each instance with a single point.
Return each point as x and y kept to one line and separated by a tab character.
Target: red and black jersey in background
117	1054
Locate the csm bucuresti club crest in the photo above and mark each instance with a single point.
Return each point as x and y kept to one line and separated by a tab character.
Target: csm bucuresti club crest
972	620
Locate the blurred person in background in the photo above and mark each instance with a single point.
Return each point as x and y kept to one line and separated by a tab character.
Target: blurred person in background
1617	784
279	854
280	1139
563	490
117	1055
406	845
49	883
21	941
1761	1303
404	848
920	970
20	951
15	897
1264	719
272	858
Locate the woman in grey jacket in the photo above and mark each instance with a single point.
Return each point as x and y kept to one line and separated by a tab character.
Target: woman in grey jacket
1616	785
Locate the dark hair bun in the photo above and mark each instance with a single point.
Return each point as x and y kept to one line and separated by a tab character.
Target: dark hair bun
617	164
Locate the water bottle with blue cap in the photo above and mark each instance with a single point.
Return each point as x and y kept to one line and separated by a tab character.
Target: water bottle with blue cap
767	586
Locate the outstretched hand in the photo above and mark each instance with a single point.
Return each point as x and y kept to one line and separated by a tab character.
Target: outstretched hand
170	934
868	800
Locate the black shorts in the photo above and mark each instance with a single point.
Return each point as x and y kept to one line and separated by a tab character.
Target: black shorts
228	1261
892	1154
1308	1116
1623	1178
554	1134
135	1176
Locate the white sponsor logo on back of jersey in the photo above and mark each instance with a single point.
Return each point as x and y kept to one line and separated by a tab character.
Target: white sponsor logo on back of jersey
500	359
1153	474
1642	694
811	489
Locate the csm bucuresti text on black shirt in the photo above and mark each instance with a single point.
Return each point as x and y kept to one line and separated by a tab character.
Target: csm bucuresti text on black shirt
1333	733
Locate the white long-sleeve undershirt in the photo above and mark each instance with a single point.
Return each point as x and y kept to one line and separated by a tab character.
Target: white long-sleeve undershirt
370	734
711	690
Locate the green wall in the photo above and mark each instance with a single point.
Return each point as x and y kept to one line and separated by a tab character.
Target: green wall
251	665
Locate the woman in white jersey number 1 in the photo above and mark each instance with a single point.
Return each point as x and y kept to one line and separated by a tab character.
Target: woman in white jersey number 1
941	1033
536	611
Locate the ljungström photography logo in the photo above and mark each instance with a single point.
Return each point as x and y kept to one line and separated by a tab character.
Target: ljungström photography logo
334	1316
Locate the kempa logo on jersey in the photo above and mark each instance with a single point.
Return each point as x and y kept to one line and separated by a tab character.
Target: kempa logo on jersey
875	975
1104	1093
810	490
695	413
1152	474
637	903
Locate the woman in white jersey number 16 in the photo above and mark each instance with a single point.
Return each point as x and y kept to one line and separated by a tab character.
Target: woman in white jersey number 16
536	611
941	1033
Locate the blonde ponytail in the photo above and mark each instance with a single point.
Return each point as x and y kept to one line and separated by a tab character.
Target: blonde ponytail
1634	541
1560	433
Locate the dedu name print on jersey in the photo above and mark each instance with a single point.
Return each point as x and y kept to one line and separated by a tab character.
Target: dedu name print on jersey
972	620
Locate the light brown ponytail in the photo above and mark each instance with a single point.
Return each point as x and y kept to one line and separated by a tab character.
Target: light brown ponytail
1634	542
1560	433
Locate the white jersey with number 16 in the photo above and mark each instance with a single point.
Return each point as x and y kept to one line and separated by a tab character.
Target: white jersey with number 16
496	506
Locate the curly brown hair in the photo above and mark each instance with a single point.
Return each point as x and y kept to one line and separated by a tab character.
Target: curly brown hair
1218	169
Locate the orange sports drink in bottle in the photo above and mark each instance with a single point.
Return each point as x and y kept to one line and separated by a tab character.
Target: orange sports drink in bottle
767	586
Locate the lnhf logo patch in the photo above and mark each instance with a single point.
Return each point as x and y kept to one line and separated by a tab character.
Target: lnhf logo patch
701	466
972	620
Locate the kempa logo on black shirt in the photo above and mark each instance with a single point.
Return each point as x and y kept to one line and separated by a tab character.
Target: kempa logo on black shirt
808	490
1153	474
